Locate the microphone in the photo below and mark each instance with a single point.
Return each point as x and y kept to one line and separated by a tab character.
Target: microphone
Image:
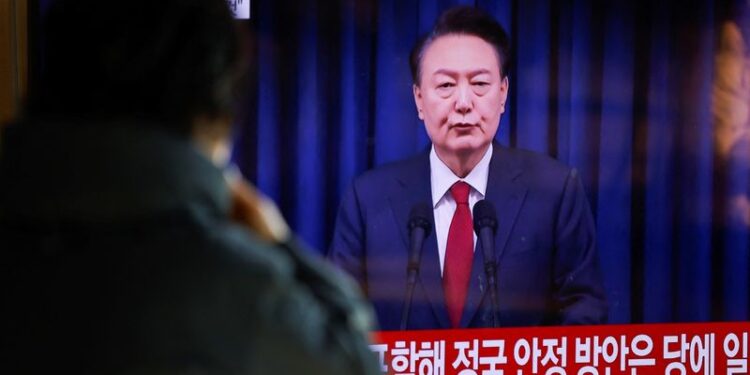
419	228
485	225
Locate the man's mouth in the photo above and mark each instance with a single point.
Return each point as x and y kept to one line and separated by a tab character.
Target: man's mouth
462	126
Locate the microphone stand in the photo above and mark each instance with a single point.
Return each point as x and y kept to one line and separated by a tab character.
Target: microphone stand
411	281
419	228
485	224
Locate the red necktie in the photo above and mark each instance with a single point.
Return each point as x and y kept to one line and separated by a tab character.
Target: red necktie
459	253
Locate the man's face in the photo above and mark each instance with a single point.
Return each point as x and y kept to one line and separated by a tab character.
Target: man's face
461	94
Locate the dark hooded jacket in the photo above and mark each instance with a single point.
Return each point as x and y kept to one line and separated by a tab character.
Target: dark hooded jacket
118	257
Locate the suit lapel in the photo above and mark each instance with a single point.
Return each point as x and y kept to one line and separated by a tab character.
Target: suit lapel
414	187
507	193
432	280
477	287
506	190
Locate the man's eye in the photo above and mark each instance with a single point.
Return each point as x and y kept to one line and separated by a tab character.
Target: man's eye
445	85
480	83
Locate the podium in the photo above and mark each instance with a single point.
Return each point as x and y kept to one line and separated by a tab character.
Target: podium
671	349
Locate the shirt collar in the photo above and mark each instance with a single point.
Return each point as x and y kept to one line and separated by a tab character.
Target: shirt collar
442	178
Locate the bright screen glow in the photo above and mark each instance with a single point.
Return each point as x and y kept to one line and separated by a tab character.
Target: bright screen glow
240	8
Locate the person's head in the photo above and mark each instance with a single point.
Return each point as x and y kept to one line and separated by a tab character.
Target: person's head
171	63
460	80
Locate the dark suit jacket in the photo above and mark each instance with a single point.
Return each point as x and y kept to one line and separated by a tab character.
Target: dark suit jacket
545	245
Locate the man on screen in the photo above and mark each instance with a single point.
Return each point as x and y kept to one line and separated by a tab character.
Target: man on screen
545	245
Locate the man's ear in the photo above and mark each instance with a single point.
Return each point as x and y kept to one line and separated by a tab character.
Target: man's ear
418	100
503	93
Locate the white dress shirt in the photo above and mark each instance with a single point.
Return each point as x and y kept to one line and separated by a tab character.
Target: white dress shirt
443	204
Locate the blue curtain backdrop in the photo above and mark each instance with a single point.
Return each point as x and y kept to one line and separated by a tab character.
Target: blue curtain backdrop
621	90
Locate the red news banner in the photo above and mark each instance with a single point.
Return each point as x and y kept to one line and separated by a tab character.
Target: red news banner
671	349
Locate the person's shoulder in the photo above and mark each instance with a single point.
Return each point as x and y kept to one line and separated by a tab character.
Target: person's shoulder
236	246
288	265
389	178
533	164
394	169
296	301
537	171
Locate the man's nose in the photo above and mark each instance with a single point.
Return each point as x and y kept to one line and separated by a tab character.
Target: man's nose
463	99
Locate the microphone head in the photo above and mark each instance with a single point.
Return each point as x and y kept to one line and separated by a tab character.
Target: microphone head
485	216
420	216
